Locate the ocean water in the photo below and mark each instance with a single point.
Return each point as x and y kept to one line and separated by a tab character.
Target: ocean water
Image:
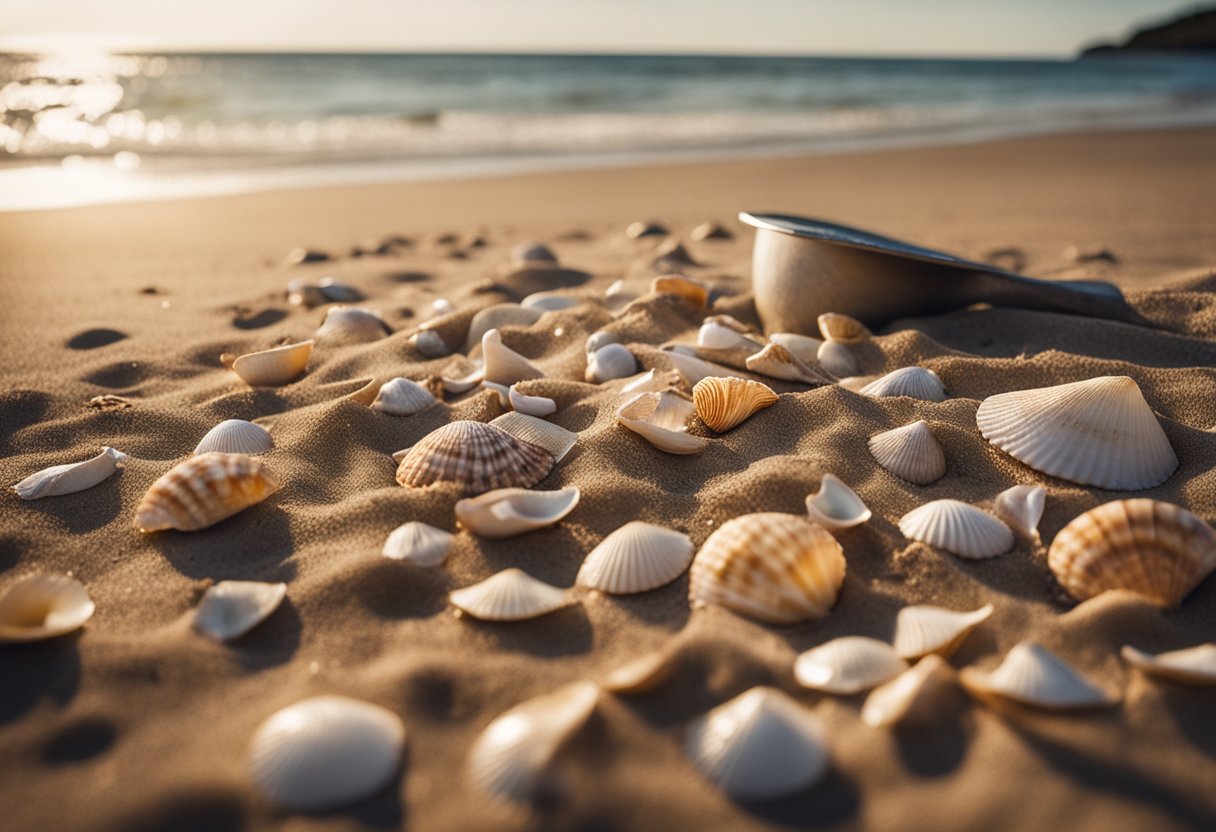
90	128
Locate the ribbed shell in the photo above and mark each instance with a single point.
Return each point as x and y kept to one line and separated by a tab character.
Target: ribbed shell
835	506
913	382
402	397
232	608
476	456
204	490
553	438
235	436
351	323
959	528
1098	432
507	512
848	665
836	327
1192	666
68	479
1021	508
1155	549
923	629
609	362
836	358
911	696
661	419
418	543
724	403
270	368
911	453
637	557
41	607
775	361
776	568
1032	675
504	365
510	595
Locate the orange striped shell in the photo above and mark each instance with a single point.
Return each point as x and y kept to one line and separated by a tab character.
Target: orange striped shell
204	490
475	455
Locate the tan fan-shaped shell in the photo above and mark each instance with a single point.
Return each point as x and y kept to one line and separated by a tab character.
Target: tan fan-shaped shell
1098	432
913	382
690	291
418	543
1155	549
609	362
270	368
553	438
204	490
510	595
402	397
537	406
476	456
232	608
235	436
803	347
923	629
836	327
724	403
1192	666
507	512
504	365
775	361
351	323
836	358
1021	508
848	665
72	477
637	557
662	420
41	607
913	696
1032	675
959	528
835	506
910	452
777	568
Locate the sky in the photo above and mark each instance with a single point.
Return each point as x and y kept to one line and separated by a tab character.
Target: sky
819	27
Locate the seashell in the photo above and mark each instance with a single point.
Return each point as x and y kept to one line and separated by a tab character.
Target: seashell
921	630
911	453
1032	675
599	339
501	391
913	696
690	291
498	316
836	327
1021	508
338	292
759	745
510	595
724	403
270	368
802	347
441	307
637	230
531	405
662	420
301	292
638	676
959	528
507	512
637	557
777	568
204	490
610	362
41	607
553	438
1099	432
834	357
352	323
235	436
72	477
694	369
430	343
730	322
548	301
652	381
325	752
715	336
835	506
504	365
1192	666
402	397
510	762
477	456
230	609
532	254
775	361
461	376
1155	549
848	665
709	231
418	543
913	382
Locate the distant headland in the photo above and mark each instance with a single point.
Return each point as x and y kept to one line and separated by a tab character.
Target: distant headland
1193	32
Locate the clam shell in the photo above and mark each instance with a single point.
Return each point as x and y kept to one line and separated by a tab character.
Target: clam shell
498	316
835	506
609	362
803	347
835	358
548	301
599	339
910	452
716	336
204	490
1098	432
502	364
402	397
1155	549
914	382
1192	666
1032	675
532	253
68	479
477	456
273	367
775	361
848	665
692	292
661	419
959	528
912	696
641	675
418	543
41	607
836	327
235	436
1021	508
923	629
553	438
694	369
325	752
232	608
537	406
430	343
777	568
351	323
761	744
510	595
507	512
724	403
637	557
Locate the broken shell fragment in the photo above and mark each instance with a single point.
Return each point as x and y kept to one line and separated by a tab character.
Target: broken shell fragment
835	506
802	347
709	231
913	696
726	402
230	609
609	362
510	595
537	406
235	436
662	420
496	317
775	361
910	452
637	557
923	629
553	438
959	528
41	607
402	397
474	455
1192	666
507	512
913	382
418	543
1032	675
502	364
694	369
836	327
72	477
430	343
204	490
270	368
848	665
1021	508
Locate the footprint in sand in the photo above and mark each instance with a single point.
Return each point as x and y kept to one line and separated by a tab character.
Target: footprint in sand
122	374
91	339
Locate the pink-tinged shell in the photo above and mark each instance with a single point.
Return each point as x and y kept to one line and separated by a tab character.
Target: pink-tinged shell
477	456
204	490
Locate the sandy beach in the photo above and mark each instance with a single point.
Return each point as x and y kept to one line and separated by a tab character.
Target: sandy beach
138	722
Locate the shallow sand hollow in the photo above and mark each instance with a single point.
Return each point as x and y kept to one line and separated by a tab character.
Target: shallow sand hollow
138	722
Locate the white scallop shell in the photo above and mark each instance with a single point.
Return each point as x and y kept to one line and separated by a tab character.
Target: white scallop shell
507	512
232	608
1192	666
609	362
910	452
715	336
352	323
637	557
1021	508
270	368
959	528
912	696
548	301
41	607
510	595
694	369
761	744
402	397
235	436
537	406
835	506
1032	675
325	752
848	665
775	361
430	343
803	347
553	438
599	339
503	365
923	629
836	358
72	477
914	382
418	543
662	420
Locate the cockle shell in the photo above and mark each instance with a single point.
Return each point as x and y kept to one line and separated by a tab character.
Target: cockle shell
232	608
504	365
803	347
914	382
325	752
694	369
72	477
835	506
923	629
418	543
549	301
531	405
532	253
912	696
270	368
637	557
507	512
724	403
1032	675
959	528
836	358
474	455
692	292
777	568
910	452
1192	666
599	339
662	420
775	361
848	665
41	607
1155	549
1021	508
1098	432
510	595
352	323
553	438
402	397
836	327
609	362
204	490
761	744
235	436
496	317
716	336
430	343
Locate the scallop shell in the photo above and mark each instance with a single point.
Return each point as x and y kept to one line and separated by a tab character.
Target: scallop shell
41	607
802	347
270	368
1155	549
776	568
913	382
496	317
553	438
694	369
836	327
724	403
510	595
637	557
502	364
913	696
548	301
609	362
910	452
1192	666
477	456
235	436
641	675
599	339
837	359
835	506
922	630
68	479
352	323
1032	675
230	609
204	490
848	665
325	752
959	528
716	336
1098	432
692	292
402	397
507	512
430	343
531	254
662	420
775	361
531	405
1021	508
639	229
759	745
418	543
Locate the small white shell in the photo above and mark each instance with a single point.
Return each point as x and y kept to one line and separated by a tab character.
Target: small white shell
553	438
68	479
914	382
503	365
1192	666
836	358
599	339
441	306
775	361
418	543
923	629
235	436
910	452
430	343
1021	508
637	557
662	420
548	301
912	696
325	752
802	347
959	528
352	323
715	336
232	608
402	397
694	369
510	595
507	512
537	406
270	368
835	506
609	362
848	665
1032	675
41	607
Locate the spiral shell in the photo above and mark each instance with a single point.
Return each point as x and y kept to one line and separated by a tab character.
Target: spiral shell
204	490
476	456
724	403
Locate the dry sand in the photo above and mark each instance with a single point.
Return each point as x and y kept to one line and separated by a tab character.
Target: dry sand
140	723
